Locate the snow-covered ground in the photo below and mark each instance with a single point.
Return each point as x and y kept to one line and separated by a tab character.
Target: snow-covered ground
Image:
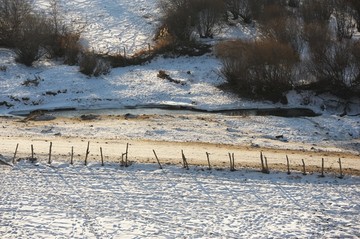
142	201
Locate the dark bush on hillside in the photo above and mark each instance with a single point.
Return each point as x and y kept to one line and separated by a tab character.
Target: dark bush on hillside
258	70
93	65
240	8
294	3
178	19
317	10
345	24
355	5
271	11
182	17
31	38
208	13
13	13
34	35
64	39
333	64
356	58
277	23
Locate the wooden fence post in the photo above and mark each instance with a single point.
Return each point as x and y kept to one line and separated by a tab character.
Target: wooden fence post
208	160
32	152
266	165
232	162
16	149
322	168
185	163
50	149
72	156
126	155
157	159
102	157
288	165
87	152
262	162
341	171
304	168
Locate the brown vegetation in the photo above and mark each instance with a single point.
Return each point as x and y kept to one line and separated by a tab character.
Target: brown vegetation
261	70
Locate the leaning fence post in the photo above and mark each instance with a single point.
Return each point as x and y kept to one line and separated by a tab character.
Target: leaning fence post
102	157
288	165
16	149
262	162
185	163
157	159
208	160
304	168
266	165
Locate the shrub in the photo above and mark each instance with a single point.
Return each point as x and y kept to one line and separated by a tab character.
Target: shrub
355	4
279	24
258	70
93	65
294	3
356	59
345	23
240	8
208	13
64	39
13	13
334	65
182	17
34	35
31	39
178	19
317	10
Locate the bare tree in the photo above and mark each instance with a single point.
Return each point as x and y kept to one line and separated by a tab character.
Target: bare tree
209	13
240	8
178	19
13	13
260	70
31	39
334	64
317	10
345	24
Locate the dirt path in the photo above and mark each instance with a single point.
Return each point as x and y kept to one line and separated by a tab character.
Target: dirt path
140	150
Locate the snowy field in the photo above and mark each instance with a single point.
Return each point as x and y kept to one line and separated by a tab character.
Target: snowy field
143	201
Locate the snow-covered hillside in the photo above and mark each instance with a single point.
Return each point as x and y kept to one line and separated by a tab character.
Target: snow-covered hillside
111	26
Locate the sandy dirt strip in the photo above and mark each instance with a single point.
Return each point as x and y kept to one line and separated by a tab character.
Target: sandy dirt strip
27	133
